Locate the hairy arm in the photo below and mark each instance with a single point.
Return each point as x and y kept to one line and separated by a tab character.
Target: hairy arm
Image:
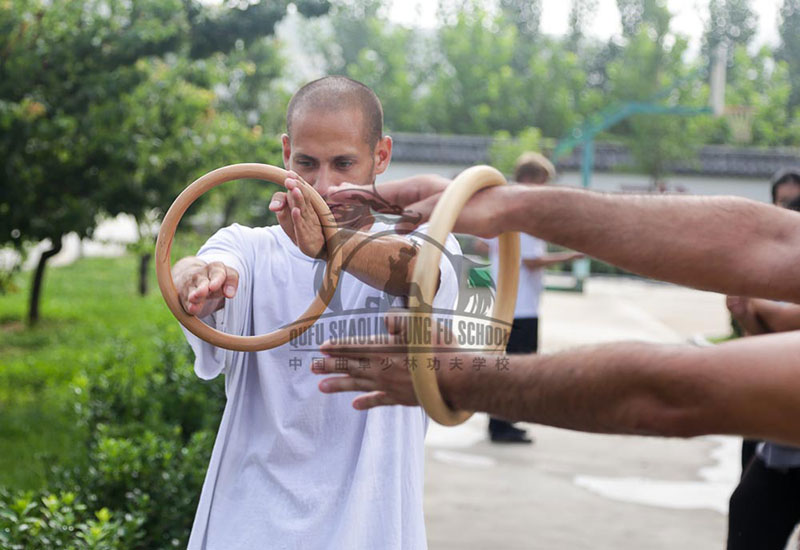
747	387
724	244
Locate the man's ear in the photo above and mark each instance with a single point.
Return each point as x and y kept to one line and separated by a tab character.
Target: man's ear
287	150
383	154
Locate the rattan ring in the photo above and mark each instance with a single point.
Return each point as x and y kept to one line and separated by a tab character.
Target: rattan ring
166	235
425	279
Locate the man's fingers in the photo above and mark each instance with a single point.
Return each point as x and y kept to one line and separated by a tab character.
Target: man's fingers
285	220
278	201
338	384
398	193
231	282
353	366
198	290
299	199
373	399
295	202
216	276
348	193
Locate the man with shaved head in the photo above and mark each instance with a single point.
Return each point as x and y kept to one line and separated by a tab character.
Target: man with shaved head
291	468
338	93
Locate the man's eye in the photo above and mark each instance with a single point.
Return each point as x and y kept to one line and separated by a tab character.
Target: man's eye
344	163
306	163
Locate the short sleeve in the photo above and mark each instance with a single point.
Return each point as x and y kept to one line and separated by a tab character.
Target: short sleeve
233	246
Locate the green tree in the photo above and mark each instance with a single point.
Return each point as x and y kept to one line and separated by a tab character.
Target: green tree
731	23
764	85
580	13
789	50
638	14
359	41
656	140
65	71
171	132
480	86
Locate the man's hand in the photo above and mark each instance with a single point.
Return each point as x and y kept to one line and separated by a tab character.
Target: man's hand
298	218
202	288
417	196
379	370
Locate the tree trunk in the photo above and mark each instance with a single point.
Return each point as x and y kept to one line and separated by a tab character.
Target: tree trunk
38	276
228	210
144	266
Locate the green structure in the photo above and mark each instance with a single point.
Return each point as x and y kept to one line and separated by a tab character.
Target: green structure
585	133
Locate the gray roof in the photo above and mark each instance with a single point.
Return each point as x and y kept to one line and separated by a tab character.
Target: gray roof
716	160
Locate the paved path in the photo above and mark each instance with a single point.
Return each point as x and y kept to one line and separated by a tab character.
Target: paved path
571	490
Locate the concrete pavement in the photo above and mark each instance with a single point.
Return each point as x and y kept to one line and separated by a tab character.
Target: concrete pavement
578	491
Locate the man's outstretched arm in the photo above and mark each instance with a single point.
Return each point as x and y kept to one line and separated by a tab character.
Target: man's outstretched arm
726	244
747	387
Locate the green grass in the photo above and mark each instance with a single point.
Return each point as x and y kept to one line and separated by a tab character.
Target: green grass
89	310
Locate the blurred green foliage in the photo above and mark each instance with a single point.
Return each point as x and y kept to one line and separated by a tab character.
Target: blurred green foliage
113	106
105	428
486	67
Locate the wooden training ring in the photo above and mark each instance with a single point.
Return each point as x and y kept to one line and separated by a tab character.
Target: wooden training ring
425	276
166	234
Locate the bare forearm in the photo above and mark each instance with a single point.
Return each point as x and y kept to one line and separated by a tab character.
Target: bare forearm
725	244
385	262
625	388
747	387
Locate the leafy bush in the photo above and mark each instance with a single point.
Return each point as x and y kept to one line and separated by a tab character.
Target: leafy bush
149	434
46	521
168	395
154	476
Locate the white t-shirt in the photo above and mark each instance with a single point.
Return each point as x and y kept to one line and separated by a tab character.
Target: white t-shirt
531	282
293	468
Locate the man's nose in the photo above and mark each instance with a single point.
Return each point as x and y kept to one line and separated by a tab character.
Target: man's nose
323	181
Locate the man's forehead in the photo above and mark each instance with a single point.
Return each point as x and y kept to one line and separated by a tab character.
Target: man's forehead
335	133
313	117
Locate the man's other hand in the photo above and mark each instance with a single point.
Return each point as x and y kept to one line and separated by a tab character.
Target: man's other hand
203	287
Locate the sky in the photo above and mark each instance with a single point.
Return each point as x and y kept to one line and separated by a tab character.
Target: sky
688	18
